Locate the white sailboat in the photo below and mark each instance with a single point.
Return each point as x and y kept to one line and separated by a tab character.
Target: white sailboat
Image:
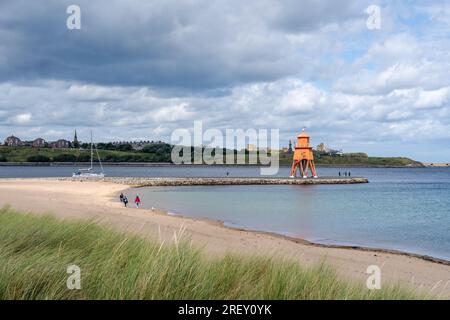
88	172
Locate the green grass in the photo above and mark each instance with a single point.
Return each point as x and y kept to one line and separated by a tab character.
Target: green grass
21	154
35	252
366	161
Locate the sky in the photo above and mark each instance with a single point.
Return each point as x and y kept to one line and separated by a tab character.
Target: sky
141	69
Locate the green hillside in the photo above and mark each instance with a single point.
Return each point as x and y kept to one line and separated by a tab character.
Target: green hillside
28	154
161	152
356	159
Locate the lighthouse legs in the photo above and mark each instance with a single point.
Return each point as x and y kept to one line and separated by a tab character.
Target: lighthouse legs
305	171
297	165
313	169
303	166
293	169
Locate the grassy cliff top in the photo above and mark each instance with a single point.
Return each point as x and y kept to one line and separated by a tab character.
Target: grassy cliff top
162	153
357	159
29	154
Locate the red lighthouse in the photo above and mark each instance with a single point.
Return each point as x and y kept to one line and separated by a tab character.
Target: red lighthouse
303	157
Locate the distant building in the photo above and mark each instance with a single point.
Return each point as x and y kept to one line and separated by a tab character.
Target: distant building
265	150
252	148
13	141
61	143
38	143
139	145
135	145
321	148
324	150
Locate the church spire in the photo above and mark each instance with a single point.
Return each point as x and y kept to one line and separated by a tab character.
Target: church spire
76	144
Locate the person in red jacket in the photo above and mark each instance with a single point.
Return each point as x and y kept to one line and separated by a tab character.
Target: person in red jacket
137	201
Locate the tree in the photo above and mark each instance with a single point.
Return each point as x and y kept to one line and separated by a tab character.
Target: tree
65	157
38	158
125	147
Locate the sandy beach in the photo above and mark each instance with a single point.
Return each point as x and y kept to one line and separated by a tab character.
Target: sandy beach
99	201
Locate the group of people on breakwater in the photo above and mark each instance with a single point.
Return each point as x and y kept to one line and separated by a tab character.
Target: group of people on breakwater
124	200
347	174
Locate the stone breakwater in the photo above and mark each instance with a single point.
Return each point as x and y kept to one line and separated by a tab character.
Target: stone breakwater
203	181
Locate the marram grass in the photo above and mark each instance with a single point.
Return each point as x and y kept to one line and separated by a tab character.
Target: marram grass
35	252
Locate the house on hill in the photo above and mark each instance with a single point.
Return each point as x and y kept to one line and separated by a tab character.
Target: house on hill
38	143
13	141
61	143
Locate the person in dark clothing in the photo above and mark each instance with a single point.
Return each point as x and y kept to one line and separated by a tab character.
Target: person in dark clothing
339	173
121	197
349	173
125	201
345	173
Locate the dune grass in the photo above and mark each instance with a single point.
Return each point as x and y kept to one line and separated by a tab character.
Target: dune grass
35	252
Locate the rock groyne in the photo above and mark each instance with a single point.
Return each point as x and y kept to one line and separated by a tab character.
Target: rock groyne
210	181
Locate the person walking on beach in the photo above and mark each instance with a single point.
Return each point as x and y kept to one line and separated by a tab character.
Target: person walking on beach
339	173
121	197
137	201
349	173
125	201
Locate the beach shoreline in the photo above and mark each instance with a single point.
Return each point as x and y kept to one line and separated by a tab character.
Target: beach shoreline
295	239
303	241
99	201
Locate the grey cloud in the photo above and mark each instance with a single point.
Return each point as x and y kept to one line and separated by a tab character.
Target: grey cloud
194	45
303	16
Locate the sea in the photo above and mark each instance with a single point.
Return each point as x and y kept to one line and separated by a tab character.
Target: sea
404	209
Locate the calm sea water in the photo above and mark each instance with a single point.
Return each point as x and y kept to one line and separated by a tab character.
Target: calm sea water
406	209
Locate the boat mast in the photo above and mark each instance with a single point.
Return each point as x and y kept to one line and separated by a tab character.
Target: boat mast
99	160
92	153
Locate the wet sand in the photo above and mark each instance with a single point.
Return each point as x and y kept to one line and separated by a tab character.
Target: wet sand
99	201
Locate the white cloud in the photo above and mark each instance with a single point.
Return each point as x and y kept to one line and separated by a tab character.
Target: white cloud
433	99
301	99
173	113
21	119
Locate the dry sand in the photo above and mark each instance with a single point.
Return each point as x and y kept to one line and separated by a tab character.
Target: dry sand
99	201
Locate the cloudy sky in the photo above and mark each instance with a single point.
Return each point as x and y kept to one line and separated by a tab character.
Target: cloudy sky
138	69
